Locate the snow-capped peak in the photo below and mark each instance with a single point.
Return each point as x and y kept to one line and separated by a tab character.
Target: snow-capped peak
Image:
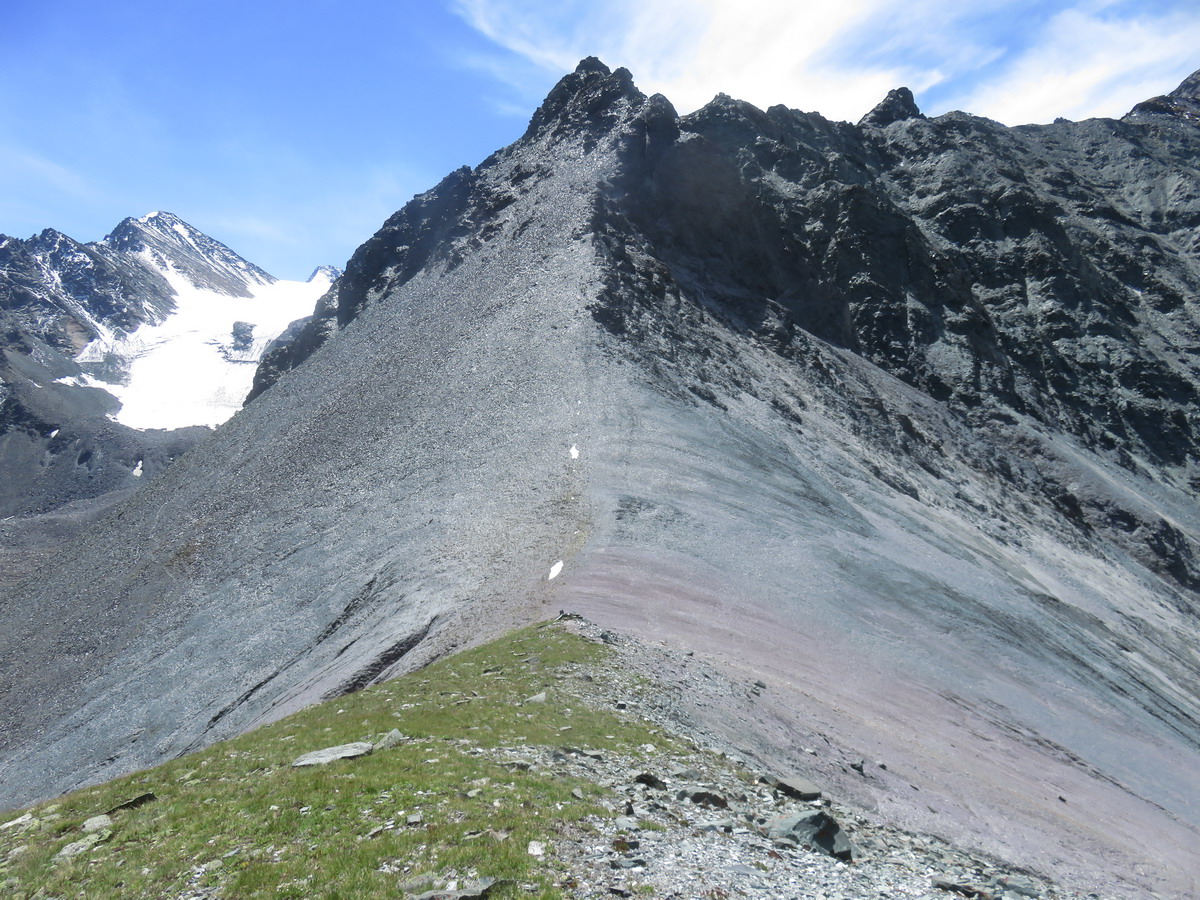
329	274
169	244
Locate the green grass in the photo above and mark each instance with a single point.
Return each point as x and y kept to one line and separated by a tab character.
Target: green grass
238	817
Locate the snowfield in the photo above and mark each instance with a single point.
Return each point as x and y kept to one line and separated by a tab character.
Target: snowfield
190	369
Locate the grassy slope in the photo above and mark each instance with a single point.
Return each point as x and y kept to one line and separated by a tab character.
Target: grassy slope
237	817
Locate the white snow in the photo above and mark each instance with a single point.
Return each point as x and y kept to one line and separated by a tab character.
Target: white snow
137	470
178	375
574	452
53	434
555	569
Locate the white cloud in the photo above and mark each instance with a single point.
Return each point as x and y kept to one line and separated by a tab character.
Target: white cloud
1014	60
1086	65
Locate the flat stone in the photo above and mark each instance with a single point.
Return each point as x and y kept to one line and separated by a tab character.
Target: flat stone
1026	887
329	754
82	846
97	823
815	830
135	802
800	788
627	823
537	698
626	862
536	848
19	822
475	890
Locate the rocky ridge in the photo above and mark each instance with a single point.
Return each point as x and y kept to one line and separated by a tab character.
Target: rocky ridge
791	392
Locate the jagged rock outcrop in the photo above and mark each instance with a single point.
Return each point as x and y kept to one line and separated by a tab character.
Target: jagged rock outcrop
898	417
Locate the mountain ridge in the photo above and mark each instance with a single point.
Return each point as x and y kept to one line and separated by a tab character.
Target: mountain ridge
780	389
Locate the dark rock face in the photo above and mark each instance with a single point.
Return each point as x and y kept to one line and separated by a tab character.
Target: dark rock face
898	416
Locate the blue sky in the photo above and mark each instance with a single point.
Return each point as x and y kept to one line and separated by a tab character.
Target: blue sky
290	131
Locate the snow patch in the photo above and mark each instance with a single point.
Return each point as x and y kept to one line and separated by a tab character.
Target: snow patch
555	569
53	434
574	452
137	470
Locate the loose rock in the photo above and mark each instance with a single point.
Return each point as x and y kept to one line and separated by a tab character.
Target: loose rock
814	830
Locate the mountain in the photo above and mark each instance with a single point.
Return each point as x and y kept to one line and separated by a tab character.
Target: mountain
897	418
158	326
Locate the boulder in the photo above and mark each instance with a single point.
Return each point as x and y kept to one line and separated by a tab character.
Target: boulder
393	738
97	823
795	786
814	830
329	754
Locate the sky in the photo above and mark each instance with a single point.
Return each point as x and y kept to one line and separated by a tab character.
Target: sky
291	130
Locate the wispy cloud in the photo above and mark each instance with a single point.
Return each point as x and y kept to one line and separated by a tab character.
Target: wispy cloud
1089	63
27	170
1013	60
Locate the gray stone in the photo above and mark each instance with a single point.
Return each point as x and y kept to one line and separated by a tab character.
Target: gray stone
20	822
1017	884
393	738
742	869
329	754
414	819
627	862
815	829
85	844
537	698
798	787
626	823
97	823
474	890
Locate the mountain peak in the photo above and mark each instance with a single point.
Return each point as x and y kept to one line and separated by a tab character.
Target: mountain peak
590	99
329	273
592	64
1181	103
170	243
897	106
